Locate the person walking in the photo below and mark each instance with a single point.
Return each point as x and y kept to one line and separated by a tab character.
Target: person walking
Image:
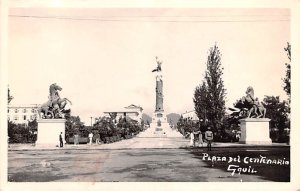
209	138
61	144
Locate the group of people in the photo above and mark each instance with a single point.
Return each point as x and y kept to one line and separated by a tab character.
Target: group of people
76	139
208	137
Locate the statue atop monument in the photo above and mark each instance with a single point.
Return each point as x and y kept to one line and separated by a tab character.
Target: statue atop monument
158	69
10	97
54	108
250	106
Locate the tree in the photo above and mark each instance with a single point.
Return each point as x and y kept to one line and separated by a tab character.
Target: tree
180	125
11	131
73	125
185	126
105	126
209	97
18	133
200	101
278	112
287	79
32	125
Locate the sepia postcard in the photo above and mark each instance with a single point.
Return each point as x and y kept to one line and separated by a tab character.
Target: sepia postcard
149	95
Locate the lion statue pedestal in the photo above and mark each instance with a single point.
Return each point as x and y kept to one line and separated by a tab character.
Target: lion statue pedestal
49	130
255	131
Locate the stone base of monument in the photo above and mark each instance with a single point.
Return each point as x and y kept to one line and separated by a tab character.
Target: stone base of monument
49	131
255	131
160	127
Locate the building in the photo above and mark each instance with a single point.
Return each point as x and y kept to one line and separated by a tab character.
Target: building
22	114
190	115
132	111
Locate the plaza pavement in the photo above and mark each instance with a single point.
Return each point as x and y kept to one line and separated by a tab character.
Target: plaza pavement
132	160
135	143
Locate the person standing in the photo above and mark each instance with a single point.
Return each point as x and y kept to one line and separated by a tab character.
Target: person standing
97	137
76	139
209	137
91	138
192	141
61	144
200	139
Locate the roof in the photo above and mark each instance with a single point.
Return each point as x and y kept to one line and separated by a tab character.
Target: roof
24	106
133	106
120	111
192	111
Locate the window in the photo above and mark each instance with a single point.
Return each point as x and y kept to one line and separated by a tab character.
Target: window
8	111
16	110
16	117
24	110
8	118
24	117
32	110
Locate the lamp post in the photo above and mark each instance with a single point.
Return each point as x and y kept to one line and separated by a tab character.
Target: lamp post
200	121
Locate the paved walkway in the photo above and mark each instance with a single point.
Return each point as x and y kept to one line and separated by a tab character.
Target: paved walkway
134	143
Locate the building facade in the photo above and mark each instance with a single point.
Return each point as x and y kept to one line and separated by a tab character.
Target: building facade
190	115
22	114
132	111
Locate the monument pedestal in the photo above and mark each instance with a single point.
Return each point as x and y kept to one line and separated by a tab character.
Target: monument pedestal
160	127
255	131
49	131
159	124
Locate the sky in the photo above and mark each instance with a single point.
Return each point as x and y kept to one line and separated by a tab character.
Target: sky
103	58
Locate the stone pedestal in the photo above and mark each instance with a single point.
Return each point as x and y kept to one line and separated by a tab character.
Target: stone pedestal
49	131
255	131
159	124
160	129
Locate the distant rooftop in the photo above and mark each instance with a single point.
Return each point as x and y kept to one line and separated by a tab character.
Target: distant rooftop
133	106
23	105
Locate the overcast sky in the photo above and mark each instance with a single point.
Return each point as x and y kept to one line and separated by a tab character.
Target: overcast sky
102	58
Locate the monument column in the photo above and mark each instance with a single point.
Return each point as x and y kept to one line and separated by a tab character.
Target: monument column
159	93
159	119
159	126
